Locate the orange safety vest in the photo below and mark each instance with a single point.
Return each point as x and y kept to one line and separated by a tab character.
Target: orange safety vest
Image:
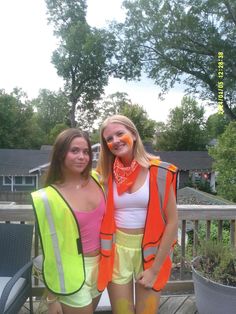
162	176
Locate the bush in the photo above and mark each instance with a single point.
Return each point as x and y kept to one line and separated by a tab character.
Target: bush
217	262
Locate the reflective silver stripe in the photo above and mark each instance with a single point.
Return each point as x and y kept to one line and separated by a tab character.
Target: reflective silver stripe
161	183
161	187
107	244
150	251
54	240
153	251
164	164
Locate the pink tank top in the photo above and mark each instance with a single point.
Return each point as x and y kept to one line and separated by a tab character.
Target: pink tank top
90	224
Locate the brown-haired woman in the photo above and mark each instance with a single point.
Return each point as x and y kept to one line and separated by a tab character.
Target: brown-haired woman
69	211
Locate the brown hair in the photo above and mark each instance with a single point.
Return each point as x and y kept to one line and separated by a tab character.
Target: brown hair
60	149
106	157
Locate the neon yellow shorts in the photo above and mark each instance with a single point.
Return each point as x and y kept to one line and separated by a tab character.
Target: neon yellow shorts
128	257
89	290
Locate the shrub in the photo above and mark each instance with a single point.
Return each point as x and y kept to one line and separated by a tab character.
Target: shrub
217	262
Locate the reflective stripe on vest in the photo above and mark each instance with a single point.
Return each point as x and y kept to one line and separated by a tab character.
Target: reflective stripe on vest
150	252
54	241
106	244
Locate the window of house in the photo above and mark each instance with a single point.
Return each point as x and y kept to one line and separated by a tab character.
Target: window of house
6	180
29	180
18	180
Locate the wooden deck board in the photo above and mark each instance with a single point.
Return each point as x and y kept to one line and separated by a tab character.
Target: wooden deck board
188	307
172	304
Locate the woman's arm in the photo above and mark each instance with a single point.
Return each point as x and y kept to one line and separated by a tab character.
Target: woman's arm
54	306
148	277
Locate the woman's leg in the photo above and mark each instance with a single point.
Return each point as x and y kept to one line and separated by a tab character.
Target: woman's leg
121	298
146	300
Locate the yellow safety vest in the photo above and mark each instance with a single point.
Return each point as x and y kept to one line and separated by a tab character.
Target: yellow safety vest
63	261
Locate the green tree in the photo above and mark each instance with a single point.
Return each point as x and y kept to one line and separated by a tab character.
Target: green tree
224	155
119	103
58	128
95	136
177	41
139	116
216	125
82	58
110	105
52	108
185	128
18	127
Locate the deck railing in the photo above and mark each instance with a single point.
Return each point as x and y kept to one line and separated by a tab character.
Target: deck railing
188	214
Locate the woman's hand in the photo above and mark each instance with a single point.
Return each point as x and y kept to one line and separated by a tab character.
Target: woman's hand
55	308
147	278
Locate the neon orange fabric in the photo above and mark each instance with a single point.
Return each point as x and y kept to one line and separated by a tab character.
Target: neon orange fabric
125	176
154	228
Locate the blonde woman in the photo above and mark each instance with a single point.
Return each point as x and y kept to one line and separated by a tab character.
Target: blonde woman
139	228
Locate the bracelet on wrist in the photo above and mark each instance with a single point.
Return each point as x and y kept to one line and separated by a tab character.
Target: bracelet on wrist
51	301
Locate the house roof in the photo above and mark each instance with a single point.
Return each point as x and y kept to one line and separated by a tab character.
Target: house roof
20	161
188	160
189	195
185	160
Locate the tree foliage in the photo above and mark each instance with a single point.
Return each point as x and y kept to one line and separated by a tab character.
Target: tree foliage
119	103
179	41
52	109
58	128
110	105
82	58
224	154
18	127
139	116
216	125
185	128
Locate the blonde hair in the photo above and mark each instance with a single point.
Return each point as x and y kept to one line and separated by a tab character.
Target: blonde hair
106	158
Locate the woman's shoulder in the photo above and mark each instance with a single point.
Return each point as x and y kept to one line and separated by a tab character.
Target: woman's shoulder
42	193
96	175
164	165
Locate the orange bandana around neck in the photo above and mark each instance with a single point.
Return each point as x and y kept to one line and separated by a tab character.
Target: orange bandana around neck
125	176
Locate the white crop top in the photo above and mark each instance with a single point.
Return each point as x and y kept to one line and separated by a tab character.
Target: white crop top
131	208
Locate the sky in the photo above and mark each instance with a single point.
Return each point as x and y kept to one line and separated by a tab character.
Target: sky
27	43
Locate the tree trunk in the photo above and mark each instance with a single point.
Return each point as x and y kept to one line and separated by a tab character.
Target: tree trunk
72	114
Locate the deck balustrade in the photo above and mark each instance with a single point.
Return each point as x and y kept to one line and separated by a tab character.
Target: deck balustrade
189	215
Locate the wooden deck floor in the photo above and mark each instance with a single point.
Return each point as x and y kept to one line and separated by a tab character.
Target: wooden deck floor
173	304
181	304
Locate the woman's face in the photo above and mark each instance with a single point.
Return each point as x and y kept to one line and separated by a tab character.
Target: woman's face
77	157
119	140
